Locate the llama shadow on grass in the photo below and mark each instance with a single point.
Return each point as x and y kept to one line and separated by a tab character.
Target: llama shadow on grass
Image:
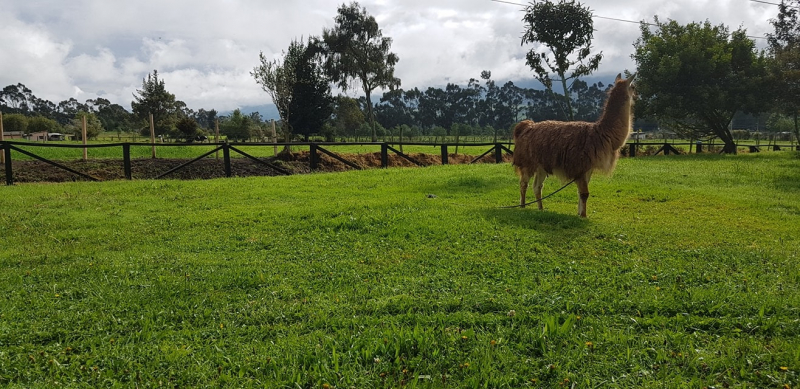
545	222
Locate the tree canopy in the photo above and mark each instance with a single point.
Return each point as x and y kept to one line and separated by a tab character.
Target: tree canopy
695	77
312	103
356	50
784	45
154	99
278	77
237	127
566	29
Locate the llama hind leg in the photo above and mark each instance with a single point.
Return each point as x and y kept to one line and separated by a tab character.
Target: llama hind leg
538	184
524	179
583	193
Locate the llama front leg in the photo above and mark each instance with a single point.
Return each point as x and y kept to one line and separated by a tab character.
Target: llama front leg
583	194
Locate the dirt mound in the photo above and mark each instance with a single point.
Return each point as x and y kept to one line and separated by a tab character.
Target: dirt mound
148	168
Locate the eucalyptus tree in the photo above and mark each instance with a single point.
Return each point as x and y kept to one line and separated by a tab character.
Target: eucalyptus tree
566	29
356	51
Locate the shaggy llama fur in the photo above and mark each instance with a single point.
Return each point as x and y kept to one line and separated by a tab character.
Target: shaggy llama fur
574	150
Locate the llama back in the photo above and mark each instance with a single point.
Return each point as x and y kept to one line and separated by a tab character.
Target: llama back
557	147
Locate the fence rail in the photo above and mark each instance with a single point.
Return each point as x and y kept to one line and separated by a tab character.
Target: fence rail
316	149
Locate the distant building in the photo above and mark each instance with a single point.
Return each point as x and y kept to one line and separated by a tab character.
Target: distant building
43	136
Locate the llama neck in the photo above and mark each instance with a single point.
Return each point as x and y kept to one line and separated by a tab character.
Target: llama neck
616	121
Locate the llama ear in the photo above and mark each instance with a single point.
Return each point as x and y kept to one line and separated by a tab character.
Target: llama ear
619	77
632	77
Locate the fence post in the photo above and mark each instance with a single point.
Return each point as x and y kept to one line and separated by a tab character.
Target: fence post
153	135
444	154
632	149
2	138
9	173
126	160
498	153
314	156
83	138
226	157
384	155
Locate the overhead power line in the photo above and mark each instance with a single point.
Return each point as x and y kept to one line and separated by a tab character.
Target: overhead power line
629	21
771	3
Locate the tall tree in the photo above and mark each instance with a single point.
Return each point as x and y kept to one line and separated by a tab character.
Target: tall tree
113	116
93	125
392	110
42	124
312	102
279	78
67	109
206	119
356	50
564	28
695	77
186	128
784	45
348	117
15	122
237	127
154	99
14	99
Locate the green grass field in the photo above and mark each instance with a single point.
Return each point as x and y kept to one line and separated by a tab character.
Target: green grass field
685	274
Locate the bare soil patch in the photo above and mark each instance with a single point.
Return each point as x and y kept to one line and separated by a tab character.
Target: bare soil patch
207	168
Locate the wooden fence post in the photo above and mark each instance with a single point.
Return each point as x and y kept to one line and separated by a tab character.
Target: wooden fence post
384	155
9	173
126	160
2	138
274	139
153	135
226	155
444	154
632	150
498	153
314	156
216	136
83	137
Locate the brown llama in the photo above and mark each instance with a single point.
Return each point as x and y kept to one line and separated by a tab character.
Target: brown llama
574	150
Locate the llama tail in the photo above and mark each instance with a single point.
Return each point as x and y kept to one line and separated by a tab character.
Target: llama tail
520	128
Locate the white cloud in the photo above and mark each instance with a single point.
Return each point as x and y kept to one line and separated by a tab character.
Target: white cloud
204	50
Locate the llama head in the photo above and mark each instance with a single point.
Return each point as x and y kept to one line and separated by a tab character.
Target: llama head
627	85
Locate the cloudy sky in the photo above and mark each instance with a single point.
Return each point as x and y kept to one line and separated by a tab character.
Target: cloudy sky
205	49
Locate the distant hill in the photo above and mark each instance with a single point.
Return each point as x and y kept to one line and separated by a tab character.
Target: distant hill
267	111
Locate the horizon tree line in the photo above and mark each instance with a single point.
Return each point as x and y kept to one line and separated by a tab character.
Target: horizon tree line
692	79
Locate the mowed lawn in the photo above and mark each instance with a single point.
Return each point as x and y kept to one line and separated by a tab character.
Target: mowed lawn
685	274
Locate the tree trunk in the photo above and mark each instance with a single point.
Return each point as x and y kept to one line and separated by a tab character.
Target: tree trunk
371	115
796	129
730	145
567	98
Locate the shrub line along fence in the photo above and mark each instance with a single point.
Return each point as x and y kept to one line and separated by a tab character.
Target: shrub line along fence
315	149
